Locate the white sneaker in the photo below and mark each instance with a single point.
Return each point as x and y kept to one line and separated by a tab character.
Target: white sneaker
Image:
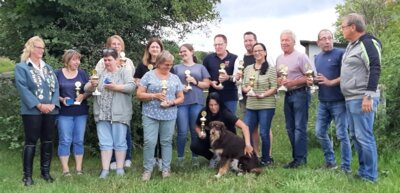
146	176
128	163
113	166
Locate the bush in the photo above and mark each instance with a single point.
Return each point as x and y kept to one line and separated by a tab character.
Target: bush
6	65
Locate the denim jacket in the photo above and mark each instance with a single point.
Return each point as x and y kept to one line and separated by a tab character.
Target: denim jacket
35	89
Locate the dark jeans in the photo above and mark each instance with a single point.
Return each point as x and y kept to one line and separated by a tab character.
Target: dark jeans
297	103
202	147
38	126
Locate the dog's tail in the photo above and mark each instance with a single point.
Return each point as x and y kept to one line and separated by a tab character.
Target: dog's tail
256	171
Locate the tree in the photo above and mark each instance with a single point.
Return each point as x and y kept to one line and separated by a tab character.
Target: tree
373	10
86	24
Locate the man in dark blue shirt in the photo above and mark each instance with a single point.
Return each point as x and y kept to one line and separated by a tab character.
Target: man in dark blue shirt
331	102
228	90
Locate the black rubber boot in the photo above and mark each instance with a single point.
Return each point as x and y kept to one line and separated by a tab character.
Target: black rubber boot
28	154
46	150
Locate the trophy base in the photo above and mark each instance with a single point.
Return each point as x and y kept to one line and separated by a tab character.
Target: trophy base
77	103
96	93
220	87
164	104
251	93
282	89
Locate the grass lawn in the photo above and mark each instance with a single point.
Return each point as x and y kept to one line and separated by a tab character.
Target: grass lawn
309	178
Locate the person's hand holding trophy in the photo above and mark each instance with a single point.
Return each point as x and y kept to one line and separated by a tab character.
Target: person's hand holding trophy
251	92
94	80
310	78
283	72
78	98
122	57
165	103
203	120
189	78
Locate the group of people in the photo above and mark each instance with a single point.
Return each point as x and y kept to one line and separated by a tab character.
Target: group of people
172	95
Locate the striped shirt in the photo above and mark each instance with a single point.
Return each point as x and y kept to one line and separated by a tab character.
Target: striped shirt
262	83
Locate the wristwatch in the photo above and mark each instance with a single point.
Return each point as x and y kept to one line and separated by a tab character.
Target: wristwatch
368	95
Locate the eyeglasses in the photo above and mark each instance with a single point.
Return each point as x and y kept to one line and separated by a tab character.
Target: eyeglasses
258	51
326	38
38	47
219	45
343	27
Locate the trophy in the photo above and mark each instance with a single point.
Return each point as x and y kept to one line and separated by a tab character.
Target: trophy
310	74
283	72
95	77
221	72
164	92
203	123
77	89
122	56
240	68
187	73
251	84
150	66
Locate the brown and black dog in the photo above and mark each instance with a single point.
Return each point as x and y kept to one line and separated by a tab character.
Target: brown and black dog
230	148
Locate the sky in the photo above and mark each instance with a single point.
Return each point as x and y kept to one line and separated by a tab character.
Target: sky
267	18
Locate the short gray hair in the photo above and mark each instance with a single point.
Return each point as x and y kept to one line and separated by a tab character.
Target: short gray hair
356	19
289	32
163	56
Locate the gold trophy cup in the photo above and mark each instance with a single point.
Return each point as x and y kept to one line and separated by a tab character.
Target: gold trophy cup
240	69
283	72
77	89
203	123
251	84
150	66
187	73
310	74
221	72
95	77
164	92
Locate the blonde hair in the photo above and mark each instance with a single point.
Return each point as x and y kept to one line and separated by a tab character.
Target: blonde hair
164	56
117	37
29	46
68	55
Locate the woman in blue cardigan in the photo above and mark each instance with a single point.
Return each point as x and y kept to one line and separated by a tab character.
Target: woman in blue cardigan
38	89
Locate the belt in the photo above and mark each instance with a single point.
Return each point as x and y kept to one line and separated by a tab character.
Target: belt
301	89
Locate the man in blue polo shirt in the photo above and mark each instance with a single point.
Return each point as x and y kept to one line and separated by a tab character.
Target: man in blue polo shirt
228	90
331	102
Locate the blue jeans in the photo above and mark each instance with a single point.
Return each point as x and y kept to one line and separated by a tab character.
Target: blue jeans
231	105
71	131
362	133
187	116
129	144
151	129
296	107
327	111
263	117
112	135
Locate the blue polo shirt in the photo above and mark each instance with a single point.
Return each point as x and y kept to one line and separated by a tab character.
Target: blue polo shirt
212	62
329	64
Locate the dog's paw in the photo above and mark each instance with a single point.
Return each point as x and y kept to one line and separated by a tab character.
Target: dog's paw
218	176
239	174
